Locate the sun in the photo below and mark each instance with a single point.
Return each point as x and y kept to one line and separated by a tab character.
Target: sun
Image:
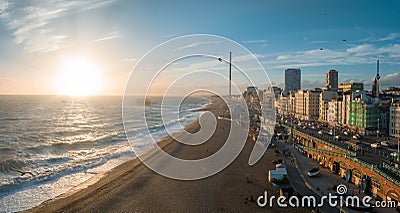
78	76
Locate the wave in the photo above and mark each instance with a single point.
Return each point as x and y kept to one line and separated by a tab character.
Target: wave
48	150
55	167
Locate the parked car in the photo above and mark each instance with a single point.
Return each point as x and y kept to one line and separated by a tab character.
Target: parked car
346	133
375	145
337	137
319	132
385	143
313	172
355	137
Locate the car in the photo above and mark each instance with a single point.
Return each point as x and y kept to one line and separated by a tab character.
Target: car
355	137
313	172
337	137
319	132
375	145
346	133
385	143
393	154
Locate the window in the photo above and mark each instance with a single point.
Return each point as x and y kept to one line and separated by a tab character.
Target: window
376	183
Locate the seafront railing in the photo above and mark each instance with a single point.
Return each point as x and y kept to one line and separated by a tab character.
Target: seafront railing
391	168
322	151
322	141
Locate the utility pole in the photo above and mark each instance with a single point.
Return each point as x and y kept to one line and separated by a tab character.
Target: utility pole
230	76
398	147
377	132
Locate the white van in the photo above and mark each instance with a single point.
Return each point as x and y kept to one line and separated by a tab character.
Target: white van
375	145
385	143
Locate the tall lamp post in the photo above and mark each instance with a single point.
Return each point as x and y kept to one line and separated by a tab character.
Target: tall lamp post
230	74
398	147
377	131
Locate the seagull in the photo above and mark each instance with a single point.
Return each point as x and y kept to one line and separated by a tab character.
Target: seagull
344	40
220	59
321	49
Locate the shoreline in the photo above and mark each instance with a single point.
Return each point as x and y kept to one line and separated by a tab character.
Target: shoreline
163	142
131	186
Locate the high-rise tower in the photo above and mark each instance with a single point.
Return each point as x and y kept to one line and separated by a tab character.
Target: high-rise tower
292	80
331	82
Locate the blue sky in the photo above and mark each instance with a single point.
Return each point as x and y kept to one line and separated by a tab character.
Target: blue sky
312	35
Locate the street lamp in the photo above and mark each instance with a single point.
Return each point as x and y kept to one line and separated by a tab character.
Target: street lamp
377	131
230	74
398	147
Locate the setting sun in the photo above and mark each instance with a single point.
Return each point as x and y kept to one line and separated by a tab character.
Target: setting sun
78	76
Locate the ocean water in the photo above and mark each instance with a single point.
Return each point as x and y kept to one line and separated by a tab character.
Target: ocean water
51	144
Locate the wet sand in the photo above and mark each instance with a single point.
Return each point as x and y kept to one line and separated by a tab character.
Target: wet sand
132	187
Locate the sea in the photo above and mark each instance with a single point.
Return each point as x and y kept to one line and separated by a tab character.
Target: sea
50	145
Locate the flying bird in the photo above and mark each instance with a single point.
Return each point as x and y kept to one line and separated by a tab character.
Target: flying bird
220	59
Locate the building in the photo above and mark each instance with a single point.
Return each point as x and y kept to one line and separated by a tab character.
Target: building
292	80
375	85
325	97
335	111
307	104
283	105
351	87
277	92
347	97
251	90
365	114
331	82
262	95
384	108
394	119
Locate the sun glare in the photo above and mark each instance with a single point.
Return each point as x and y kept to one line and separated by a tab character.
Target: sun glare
78	76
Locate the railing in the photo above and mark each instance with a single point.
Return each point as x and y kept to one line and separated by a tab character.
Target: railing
391	168
322	151
322	141
388	177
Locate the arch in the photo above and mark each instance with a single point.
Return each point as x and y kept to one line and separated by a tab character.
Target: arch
330	163
356	177
393	195
342	168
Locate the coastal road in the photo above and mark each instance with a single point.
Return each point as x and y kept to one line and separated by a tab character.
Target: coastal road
296	179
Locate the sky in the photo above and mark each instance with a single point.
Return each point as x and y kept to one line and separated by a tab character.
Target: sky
41	41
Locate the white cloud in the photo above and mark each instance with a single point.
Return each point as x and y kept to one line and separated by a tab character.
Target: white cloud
390	37
255	41
392	79
361	49
130	59
30	21
109	36
361	54
318	42
196	45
